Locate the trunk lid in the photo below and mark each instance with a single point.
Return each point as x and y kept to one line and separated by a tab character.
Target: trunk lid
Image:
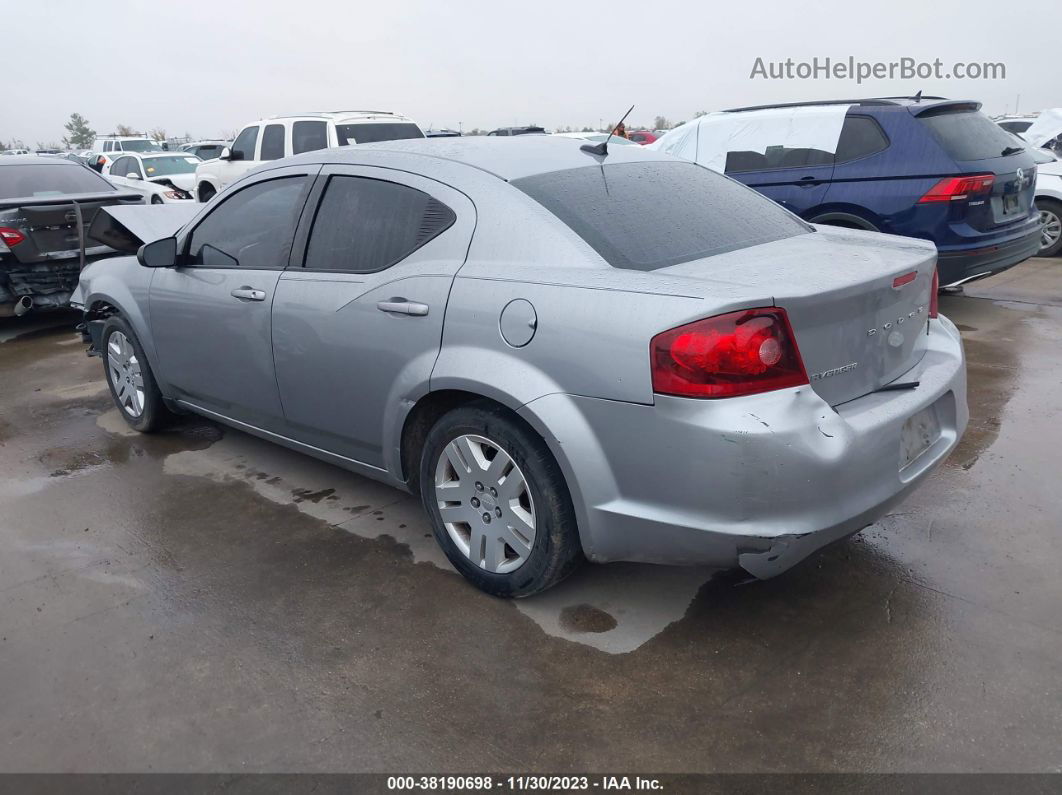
977	145
858	301
50	224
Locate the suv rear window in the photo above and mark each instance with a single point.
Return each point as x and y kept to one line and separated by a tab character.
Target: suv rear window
645	216
371	133
17	182
968	134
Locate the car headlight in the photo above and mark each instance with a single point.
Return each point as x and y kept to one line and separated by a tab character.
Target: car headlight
176	194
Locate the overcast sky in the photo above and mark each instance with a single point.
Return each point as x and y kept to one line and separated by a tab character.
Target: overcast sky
209	68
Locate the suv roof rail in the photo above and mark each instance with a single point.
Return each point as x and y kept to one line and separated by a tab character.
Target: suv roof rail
872	101
334	113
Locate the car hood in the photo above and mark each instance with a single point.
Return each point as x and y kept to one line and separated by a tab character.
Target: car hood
182	181
1048	126
128	228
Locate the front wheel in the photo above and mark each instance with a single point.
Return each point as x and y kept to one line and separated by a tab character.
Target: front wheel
206	192
498	503
156	199
1051	232
130	379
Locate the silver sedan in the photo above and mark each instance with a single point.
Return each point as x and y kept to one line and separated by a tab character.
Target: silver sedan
568	354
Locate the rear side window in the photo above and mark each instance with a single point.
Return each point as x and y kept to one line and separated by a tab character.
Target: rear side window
365	225
371	133
308	136
50	180
968	134
860	137
245	142
272	142
644	216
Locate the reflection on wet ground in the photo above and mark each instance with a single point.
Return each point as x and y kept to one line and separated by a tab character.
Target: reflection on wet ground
203	600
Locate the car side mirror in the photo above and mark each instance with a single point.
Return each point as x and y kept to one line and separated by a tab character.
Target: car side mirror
158	253
133	175
226	154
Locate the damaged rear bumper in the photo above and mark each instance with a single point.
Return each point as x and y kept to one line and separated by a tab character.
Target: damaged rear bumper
759	482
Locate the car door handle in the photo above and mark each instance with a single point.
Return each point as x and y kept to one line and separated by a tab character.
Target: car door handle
807	182
248	294
400	306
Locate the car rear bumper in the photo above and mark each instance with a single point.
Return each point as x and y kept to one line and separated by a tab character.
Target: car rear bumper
758	482
959	265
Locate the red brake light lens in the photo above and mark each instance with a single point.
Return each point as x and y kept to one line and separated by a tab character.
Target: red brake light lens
951	189
11	237
739	353
934	298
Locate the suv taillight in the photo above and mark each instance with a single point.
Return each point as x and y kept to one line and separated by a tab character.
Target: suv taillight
934	297
953	189
739	353
11	237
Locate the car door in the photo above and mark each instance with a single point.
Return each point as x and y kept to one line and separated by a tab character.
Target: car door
357	327
210	315
242	158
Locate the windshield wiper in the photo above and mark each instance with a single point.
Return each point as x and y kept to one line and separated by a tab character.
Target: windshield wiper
1011	150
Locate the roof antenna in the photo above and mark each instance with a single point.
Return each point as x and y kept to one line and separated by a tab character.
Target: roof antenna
918	97
601	149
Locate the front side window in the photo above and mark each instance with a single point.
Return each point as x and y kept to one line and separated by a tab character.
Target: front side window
308	136
118	167
244	143
365	225
108	146
251	229
131	167
272	142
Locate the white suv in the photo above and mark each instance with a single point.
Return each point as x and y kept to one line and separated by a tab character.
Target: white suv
283	136
107	148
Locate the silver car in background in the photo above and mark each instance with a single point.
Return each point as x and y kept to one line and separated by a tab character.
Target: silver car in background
567	355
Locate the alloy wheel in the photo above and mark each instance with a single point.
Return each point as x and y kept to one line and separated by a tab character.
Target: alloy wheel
485	504
1051	230
123	370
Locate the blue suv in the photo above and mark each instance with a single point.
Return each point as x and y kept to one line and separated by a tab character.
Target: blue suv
923	167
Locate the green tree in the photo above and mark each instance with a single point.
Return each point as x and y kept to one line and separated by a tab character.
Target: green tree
78	134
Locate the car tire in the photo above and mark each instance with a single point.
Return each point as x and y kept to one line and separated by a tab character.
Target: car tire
129	377
509	525
156	199
206	192
1051	236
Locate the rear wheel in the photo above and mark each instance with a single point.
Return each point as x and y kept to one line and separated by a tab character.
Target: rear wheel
130	379
498	502
1051	233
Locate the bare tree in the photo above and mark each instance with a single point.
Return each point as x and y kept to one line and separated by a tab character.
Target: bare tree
661	123
124	129
158	134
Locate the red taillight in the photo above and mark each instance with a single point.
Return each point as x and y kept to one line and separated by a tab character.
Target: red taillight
933	294
951	189
740	353
11	237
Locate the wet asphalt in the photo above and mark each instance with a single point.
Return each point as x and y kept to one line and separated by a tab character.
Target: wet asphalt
200	600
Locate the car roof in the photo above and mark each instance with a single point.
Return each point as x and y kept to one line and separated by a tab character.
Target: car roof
339	114
507	158
36	160
895	102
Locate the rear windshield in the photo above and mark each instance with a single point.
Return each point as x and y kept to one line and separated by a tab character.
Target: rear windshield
644	216
371	133
968	135
17	182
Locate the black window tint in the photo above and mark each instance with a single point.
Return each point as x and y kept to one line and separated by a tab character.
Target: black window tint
861	136
371	133
645	216
108	146
308	136
245	142
118	167
132	166
272	142
365	225
968	134
253	228
52	179
208	152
